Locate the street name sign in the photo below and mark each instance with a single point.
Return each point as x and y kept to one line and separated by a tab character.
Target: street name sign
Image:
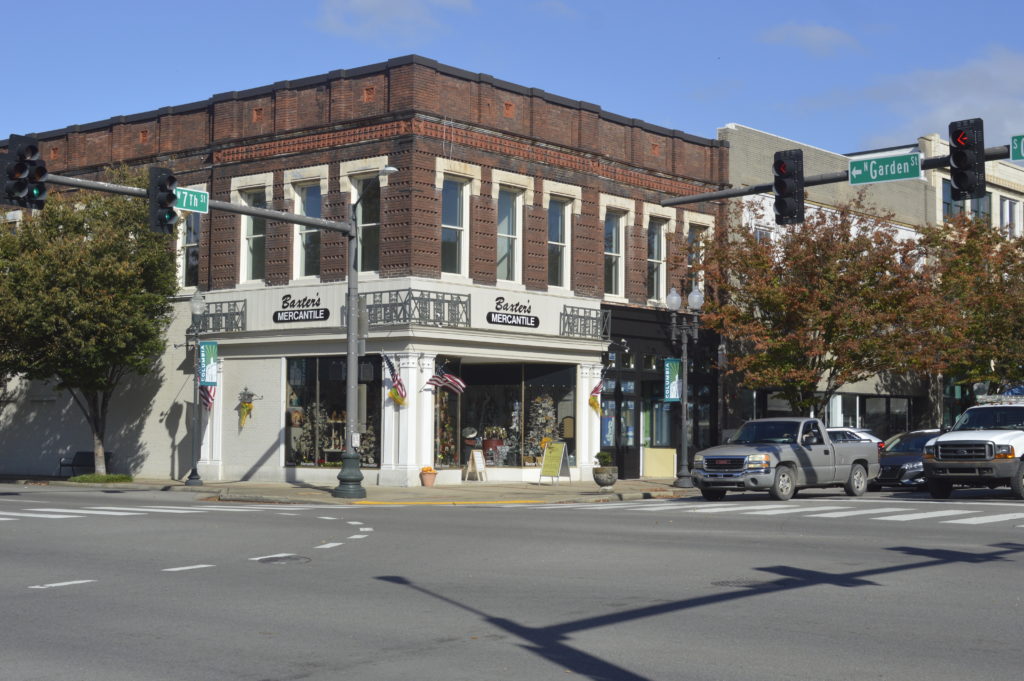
885	168
192	200
1017	148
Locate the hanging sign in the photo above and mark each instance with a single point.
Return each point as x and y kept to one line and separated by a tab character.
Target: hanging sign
672	385
208	363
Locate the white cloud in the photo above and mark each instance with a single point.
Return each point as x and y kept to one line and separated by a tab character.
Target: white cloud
822	41
926	101
399	22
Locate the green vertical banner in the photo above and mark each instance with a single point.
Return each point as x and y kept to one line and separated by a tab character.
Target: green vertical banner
208	363
671	384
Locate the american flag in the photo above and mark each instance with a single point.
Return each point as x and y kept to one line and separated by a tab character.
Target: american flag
444	379
206	395
397	390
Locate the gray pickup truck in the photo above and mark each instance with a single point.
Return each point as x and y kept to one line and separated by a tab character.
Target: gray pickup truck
784	455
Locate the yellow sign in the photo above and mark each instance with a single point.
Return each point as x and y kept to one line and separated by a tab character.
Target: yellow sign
554	461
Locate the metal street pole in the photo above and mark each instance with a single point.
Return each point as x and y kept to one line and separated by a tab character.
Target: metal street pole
683	330
350	477
198	306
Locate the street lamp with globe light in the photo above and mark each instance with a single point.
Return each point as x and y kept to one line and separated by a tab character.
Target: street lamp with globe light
684	327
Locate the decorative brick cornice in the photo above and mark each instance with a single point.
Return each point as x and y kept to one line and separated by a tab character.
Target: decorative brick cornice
504	146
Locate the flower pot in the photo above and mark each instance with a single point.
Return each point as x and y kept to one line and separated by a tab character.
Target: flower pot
492	443
428	479
605	476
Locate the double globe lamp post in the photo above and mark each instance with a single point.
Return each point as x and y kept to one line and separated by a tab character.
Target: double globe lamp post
198	305
684	327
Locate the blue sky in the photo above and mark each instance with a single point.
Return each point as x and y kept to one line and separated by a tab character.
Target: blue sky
867	74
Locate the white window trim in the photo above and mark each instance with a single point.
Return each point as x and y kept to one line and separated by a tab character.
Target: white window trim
180	250
668	215
293	178
703	222
618	204
573	194
247	183
523	184
359	169
472	175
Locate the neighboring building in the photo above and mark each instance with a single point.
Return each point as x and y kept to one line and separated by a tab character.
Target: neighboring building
886	405
521	233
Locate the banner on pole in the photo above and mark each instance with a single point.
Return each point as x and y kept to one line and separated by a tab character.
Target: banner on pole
208	363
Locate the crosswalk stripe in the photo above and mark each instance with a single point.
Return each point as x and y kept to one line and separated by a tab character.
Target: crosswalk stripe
804	509
921	516
986	519
736	507
863	511
90	512
37	515
183	568
145	509
226	509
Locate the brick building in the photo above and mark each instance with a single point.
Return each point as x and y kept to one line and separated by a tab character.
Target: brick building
519	240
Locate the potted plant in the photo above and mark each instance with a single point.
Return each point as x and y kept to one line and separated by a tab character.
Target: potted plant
427	476
605	473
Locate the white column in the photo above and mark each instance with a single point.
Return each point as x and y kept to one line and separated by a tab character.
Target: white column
400	425
588	428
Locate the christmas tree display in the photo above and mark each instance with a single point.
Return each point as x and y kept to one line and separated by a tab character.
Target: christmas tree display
540	426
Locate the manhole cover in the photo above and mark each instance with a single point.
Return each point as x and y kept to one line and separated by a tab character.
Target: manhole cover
284	560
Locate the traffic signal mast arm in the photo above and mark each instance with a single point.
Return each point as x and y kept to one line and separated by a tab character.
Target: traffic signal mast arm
991	154
281	216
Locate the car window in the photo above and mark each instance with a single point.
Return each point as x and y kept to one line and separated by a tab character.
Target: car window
908	444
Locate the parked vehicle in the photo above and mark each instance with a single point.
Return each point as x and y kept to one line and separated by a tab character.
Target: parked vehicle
901	461
847	434
983	449
783	456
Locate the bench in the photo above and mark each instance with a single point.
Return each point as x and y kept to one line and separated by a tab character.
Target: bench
82	461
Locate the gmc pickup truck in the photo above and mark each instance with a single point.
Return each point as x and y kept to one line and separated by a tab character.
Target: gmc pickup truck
983	449
784	455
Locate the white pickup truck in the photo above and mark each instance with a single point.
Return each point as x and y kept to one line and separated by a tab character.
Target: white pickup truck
983	449
782	456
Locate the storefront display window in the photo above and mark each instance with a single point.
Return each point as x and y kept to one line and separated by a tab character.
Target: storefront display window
511	411
316	414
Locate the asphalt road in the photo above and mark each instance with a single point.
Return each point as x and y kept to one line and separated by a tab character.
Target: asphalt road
823	587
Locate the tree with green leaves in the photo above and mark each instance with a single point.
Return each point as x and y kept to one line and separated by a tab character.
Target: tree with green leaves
84	299
818	305
978	273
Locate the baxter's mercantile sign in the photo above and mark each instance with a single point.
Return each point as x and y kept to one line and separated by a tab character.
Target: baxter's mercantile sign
507	313
301	310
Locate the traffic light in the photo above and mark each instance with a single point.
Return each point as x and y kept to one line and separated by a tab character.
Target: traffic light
967	159
162	216
788	169
24	174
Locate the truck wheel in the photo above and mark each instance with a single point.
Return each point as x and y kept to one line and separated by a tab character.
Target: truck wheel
713	494
940	489
1017	481
857	483
784	486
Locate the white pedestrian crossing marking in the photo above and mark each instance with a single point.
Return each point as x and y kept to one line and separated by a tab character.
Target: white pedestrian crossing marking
920	516
58	584
183	568
146	509
331	545
863	511
987	519
358	536
90	512
736	507
801	509
273	555
37	515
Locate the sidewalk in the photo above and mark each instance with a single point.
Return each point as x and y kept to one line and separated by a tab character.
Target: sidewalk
466	493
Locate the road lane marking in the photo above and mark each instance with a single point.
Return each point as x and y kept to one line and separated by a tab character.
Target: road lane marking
736	507
355	522
366	529
214	508
326	517
273	555
331	545
921	516
187	567
863	511
144	509
37	515
59	584
986	519
90	512
358	536
804	509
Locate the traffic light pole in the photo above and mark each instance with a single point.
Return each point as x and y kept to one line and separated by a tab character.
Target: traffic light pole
991	154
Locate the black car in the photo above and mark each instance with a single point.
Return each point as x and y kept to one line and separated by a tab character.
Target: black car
901	462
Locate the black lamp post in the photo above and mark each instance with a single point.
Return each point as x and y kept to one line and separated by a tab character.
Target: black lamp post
350	477
198	305
684	327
